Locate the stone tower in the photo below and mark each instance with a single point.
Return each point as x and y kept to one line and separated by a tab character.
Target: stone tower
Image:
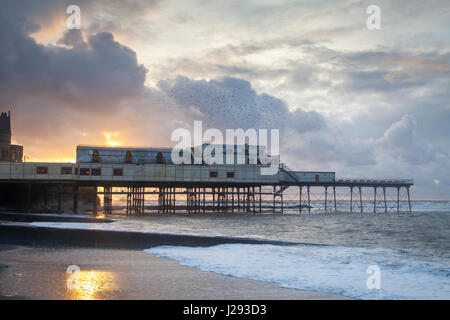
9	152
5	129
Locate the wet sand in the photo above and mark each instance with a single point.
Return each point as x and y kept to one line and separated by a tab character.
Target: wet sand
40	273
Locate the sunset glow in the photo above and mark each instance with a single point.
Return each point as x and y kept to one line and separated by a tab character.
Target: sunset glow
345	98
246	151
109	136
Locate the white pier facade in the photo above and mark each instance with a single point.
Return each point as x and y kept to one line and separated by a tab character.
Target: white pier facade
149	181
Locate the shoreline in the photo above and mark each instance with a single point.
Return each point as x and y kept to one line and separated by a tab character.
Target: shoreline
25	234
40	273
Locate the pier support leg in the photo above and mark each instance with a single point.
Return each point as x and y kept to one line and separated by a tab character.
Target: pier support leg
29	189
238	199
247	203
384	196
143	200
94	199
260	200
282	202
227	199
233	199
351	199
334	198
274	191
167	197
398	199
300	199
107	200
160	200
172	200
128	201
169	200
204	199
254	200
309	199
45	195
326	198
213	198
374	199
188	200
59	197
409	199
75	198
360	200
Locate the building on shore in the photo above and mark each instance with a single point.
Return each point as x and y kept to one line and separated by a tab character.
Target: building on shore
8	152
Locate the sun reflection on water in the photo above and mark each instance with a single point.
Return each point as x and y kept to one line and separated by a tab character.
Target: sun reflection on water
94	285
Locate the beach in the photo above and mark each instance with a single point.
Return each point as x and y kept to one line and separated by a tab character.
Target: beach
41	273
269	256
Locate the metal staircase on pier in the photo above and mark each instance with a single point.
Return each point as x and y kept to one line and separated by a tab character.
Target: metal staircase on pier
284	168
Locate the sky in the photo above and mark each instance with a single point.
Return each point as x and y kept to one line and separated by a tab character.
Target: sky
364	103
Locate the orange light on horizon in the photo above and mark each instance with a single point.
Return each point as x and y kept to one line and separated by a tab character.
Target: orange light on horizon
57	160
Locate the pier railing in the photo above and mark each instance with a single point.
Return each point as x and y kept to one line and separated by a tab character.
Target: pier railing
381	181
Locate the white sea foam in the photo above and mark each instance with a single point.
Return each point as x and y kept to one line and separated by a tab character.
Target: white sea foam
333	269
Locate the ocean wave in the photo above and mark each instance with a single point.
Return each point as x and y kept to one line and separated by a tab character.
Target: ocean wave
334	269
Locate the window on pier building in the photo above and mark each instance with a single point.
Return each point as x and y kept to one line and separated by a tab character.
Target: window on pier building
230	174
96	172
317	178
85	171
95	156
117	172
66	170
160	158
41	170
213	174
128	157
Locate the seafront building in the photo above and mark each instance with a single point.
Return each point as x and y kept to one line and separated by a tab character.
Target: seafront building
8	152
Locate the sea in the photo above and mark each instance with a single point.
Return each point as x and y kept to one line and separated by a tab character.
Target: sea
359	255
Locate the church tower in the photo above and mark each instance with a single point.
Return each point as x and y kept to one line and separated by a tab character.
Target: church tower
5	129
9	152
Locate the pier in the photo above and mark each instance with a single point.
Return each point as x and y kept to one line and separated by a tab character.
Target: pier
136	181
160	188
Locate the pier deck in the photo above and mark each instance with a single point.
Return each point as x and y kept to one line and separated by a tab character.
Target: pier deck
139	189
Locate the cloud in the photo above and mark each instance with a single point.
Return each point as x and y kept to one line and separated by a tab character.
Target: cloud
356	102
74	39
232	103
98	84
101	70
402	141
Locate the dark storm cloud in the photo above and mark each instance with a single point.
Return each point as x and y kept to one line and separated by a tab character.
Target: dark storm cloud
99	70
73	38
